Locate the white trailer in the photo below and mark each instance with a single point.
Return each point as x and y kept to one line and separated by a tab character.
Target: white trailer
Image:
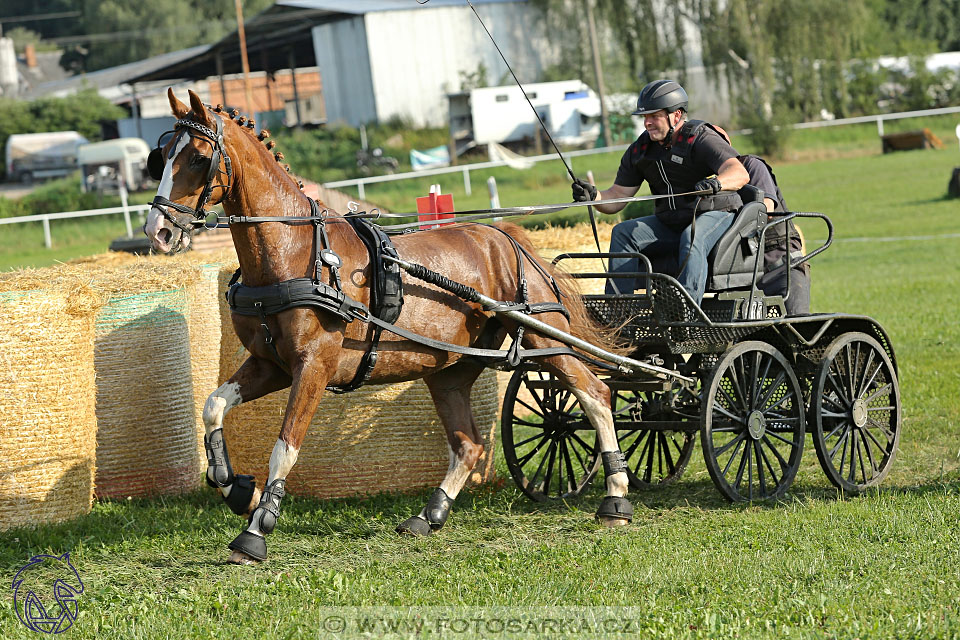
569	109
32	156
104	164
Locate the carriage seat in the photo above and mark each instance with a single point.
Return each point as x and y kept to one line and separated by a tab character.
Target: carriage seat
734	258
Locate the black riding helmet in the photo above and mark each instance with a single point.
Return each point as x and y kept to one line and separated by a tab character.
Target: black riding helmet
661	95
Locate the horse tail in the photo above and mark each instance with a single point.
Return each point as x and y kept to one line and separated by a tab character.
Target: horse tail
582	325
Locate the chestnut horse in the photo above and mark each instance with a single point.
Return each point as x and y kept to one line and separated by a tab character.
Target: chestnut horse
220	161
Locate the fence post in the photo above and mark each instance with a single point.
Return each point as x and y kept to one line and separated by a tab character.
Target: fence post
494	196
123	203
880	126
466	180
360	192
46	233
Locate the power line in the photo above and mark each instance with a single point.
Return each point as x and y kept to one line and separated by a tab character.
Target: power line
42	16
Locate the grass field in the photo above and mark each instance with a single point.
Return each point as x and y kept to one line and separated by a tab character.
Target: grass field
817	565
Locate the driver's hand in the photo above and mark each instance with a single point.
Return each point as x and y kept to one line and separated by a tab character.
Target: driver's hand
583	191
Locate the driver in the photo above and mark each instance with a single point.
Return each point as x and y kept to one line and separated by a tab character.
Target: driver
674	156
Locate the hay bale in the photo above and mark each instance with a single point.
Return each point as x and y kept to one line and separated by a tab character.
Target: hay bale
197	273
378	438
48	428
147	438
205	330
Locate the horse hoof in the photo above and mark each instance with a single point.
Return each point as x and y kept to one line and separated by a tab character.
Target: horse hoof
614	508
240	558
250	544
610	523
415	526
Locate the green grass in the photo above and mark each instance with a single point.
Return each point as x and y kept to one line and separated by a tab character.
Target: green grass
817	565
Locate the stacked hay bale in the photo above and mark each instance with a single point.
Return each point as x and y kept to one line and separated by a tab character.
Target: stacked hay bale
378	438
552	241
147	438
197	274
48	424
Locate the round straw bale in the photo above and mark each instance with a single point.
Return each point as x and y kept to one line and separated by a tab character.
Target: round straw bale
48	425
378	438
146	443
198	273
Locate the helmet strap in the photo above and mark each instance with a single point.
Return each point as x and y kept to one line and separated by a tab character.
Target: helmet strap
669	140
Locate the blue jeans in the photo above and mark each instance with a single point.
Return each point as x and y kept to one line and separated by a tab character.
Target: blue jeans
654	239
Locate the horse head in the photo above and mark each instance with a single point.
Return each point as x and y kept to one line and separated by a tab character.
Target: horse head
194	169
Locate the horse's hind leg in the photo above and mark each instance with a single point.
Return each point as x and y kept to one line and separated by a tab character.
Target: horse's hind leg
255	378
594	397
450	390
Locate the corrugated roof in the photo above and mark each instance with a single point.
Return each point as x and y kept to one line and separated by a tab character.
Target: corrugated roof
114	76
372	6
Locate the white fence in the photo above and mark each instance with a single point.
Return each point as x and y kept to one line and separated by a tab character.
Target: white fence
45	218
465	169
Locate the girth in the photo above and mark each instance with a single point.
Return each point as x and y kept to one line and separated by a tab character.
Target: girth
300	292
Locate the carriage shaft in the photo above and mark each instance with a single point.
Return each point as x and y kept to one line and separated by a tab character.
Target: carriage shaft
625	364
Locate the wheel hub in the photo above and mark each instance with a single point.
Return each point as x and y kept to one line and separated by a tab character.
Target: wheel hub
756	424
859	413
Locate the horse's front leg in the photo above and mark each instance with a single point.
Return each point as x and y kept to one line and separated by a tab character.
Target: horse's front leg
254	379
309	381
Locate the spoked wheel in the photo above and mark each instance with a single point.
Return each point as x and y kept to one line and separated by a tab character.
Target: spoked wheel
855	409
548	441
655	457
752	423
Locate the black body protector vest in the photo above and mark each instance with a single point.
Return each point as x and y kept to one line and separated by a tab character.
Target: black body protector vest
672	170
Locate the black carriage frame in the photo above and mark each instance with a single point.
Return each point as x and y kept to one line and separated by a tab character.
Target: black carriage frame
762	380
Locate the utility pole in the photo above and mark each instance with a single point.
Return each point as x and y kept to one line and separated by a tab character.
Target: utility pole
243	57
598	70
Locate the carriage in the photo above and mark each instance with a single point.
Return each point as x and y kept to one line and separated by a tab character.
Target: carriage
750	379
317	299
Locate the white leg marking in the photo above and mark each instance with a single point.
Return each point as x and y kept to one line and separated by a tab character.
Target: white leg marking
281	462
602	420
226	397
457	474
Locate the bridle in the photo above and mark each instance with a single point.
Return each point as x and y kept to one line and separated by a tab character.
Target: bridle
156	163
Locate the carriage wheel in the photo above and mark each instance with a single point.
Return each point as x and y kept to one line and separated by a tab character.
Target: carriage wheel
548	442
855	409
752	423
655	458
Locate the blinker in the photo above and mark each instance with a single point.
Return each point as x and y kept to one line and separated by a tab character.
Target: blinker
155	164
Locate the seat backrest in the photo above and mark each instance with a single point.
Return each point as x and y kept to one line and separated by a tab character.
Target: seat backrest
734	258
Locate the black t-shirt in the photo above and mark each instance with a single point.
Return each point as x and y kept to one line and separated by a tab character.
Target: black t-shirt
761	176
678	168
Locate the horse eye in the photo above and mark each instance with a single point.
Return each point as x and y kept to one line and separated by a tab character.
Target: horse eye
198	161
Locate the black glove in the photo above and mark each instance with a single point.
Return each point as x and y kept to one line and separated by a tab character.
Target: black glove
583	191
712	185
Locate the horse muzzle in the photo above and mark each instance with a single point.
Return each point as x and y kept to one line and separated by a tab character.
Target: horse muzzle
165	236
